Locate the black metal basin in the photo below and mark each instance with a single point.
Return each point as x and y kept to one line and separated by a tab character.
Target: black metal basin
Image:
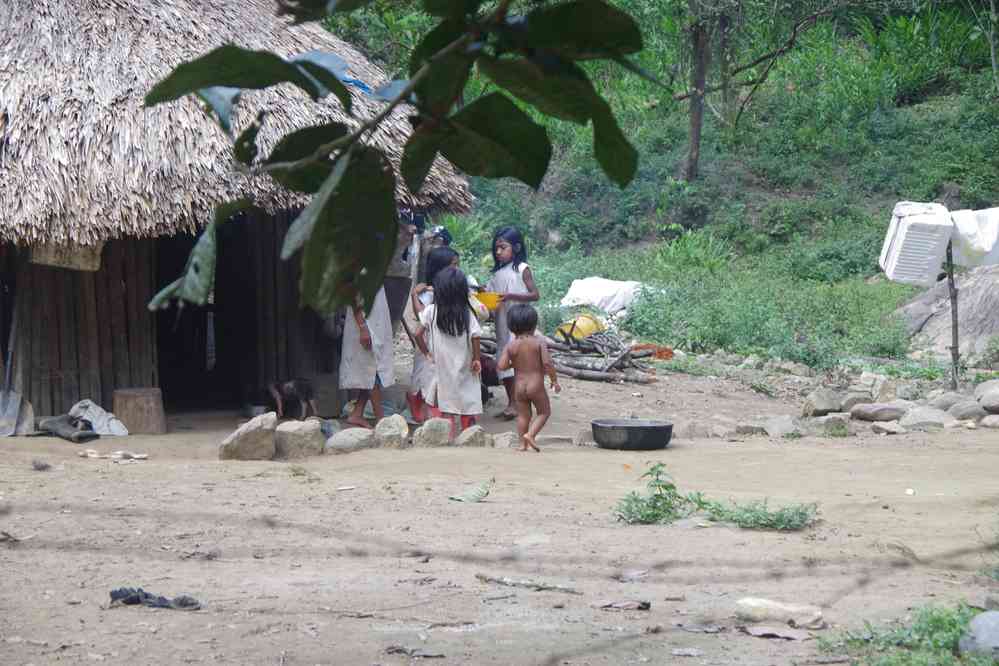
632	434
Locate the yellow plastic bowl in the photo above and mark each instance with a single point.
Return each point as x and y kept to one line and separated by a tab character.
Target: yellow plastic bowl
489	298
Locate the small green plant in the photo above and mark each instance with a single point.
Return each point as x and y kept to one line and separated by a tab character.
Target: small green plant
837	429
929	639
661	504
990	357
793	435
981	377
759	516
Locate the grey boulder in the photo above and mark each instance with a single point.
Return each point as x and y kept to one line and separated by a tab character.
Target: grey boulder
982	636
822	401
299	439
350	440
254	440
967	410
927	418
879	411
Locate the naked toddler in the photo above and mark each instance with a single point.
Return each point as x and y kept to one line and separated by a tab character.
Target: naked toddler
528	356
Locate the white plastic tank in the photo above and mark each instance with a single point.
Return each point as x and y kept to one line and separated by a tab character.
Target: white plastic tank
916	243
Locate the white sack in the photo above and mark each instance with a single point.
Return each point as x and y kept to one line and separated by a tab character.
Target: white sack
611	296
976	237
102	422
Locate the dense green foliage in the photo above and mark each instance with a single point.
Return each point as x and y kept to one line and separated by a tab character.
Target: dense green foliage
930	638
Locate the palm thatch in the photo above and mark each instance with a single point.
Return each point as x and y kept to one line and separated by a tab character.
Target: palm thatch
82	161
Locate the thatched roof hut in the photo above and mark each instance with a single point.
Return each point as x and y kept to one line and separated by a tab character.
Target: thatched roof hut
82	161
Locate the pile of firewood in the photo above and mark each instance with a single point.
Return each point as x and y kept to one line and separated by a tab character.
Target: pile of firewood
602	357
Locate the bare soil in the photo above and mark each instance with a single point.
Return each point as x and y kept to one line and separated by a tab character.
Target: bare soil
343	560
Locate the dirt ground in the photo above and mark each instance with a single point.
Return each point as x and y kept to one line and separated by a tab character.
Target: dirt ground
346	559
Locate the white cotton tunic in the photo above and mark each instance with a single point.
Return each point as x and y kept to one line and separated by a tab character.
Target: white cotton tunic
422	379
358	366
507	280
456	389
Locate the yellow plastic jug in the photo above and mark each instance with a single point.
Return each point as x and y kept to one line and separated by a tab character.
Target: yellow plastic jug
583	326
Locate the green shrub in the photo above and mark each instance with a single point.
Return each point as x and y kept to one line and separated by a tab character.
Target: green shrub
758	516
661	504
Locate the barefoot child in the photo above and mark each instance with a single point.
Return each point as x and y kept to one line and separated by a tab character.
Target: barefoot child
513	280
449	334
528	355
366	363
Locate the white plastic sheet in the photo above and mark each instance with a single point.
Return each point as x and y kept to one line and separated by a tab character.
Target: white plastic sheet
611	296
976	237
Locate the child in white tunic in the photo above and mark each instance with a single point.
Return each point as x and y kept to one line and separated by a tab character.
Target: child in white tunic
366	360
512	279
449	334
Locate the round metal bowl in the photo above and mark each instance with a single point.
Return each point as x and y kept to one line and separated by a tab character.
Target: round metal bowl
632	434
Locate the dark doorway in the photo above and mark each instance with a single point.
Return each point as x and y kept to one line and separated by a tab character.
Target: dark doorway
207	354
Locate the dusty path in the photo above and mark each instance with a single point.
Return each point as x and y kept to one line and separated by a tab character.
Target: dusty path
292	570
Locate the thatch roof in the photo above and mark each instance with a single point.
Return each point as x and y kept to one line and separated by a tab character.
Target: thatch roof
82	161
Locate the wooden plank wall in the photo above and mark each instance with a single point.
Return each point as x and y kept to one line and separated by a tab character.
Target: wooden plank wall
80	334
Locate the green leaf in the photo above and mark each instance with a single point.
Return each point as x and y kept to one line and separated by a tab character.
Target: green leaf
301	228
301	144
314	10
354	237
324	70
493	138
232	67
455	8
245	148
583	29
222	101
617	157
559	89
447	77
419	155
198	279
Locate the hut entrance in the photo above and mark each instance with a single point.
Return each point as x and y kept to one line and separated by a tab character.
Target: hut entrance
207	353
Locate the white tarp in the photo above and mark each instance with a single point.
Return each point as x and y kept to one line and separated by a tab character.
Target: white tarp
611	296
976	237
101	422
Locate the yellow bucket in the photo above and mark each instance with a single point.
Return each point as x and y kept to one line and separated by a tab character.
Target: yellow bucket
489	298
581	327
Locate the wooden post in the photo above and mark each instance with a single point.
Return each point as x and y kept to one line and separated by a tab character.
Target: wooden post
955	349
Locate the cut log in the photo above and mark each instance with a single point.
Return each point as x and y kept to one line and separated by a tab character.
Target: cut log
141	410
597	376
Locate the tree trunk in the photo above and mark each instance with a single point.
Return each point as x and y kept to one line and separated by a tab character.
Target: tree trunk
729	109
955	349
701	45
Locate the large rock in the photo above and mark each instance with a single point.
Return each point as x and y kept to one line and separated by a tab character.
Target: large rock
854	398
508	440
822	401
887	428
967	410
780	426
836	424
392	432
990	421
990	401
982	636
750	428
350	440
299	439
433	433
928	315
985	387
947	400
927	418
254	440
476	436
879	411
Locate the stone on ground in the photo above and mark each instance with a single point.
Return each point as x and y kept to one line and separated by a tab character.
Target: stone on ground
822	401
967	410
947	400
837	423
879	411
990	421
350	440
854	398
750	428
990	401
927	418
392	432
755	609
506	440
476	436
780	426
299	439
985	387
982	636
433	433
254	440
888	428
691	430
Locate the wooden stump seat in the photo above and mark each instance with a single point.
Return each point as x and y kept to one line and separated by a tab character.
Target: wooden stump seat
141	410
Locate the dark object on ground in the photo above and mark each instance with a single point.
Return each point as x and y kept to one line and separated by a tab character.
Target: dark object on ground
632	434
412	653
68	427
10	401
40	466
626	605
129	596
526	584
